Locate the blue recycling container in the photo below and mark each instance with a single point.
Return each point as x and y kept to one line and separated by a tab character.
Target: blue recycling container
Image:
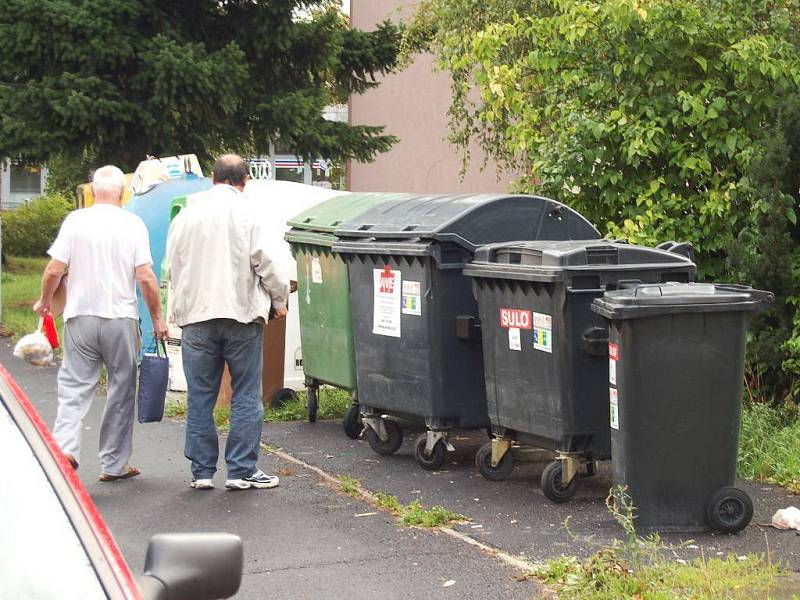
153	206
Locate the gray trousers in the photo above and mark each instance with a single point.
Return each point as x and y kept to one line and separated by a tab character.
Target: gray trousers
90	342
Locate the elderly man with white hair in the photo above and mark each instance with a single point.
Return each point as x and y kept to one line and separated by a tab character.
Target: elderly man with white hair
107	250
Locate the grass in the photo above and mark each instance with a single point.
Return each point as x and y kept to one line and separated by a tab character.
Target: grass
21	283
415	514
646	569
769	444
333	404
350	486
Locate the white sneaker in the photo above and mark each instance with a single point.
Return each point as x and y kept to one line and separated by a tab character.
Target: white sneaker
202	484
258	480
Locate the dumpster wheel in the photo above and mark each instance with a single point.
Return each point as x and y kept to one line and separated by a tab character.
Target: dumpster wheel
552	486
313	403
503	469
352	422
393	441
729	510
434	460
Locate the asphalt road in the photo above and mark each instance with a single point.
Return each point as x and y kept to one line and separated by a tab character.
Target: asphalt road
302	539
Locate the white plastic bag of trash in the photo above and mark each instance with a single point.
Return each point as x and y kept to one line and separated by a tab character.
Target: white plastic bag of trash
787	518
35	348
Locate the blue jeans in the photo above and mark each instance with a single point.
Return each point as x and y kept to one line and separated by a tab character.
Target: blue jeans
206	347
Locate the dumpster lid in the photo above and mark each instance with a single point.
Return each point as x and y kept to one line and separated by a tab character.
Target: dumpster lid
550	261
648	300
327	215
575	253
469	220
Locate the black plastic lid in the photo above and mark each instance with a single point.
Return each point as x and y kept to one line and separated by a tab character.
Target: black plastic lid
649	300
469	220
553	260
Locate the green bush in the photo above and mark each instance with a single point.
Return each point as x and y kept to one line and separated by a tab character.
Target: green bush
31	229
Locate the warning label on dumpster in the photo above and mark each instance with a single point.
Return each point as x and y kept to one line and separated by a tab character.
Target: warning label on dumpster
514	341
386	302
316	270
411	298
613	357
614	407
543	332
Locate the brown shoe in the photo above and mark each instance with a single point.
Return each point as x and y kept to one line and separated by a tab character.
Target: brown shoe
126	474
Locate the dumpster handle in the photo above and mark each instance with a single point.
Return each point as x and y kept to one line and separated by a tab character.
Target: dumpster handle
594	341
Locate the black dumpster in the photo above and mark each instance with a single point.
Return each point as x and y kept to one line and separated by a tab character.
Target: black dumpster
415	320
675	401
546	353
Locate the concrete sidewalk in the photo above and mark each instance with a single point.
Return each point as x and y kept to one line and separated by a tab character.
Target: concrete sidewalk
302	540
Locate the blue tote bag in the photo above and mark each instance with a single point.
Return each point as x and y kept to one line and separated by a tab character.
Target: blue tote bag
153	380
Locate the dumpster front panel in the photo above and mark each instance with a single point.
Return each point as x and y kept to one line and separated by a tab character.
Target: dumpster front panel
675	413
326	334
397	370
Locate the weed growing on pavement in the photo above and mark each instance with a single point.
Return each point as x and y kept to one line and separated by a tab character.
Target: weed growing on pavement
333	403
387	502
769	444
416	515
639	568
350	486
175	405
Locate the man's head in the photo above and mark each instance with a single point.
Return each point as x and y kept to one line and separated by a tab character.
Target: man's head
230	169
108	184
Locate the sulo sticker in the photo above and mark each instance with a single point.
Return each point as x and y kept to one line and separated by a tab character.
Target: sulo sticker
614	407
411	303
514	317
613	357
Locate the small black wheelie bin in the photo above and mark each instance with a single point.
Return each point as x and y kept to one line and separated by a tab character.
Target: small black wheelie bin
415	320
546	353
675	394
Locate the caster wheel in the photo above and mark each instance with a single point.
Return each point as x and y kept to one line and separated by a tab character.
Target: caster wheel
552	486
729	510
313	403
393	441
282	396
352	423
483	460
432	461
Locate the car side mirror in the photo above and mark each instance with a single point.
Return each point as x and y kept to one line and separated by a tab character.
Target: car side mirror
194	566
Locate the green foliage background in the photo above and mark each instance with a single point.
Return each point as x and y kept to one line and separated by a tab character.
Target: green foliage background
30	229
658	120
118	79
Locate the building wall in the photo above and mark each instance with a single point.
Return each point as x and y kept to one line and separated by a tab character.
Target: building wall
413	106
20	183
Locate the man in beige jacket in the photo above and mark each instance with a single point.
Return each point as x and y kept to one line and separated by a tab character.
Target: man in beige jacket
223	286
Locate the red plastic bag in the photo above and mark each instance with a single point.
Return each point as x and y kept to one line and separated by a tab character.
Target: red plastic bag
50	331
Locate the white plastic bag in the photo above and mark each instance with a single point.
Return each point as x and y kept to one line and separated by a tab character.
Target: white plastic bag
35	348
787	518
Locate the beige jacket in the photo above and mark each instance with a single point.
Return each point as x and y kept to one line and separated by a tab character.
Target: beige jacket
218	266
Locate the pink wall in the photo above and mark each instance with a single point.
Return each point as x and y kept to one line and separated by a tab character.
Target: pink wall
413	106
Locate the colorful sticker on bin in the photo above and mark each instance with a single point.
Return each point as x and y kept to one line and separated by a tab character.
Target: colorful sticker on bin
614	407
613	357
543	332
514	340
514	317
316	270
386	302
412	300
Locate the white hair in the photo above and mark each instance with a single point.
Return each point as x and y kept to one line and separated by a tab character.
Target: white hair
108	182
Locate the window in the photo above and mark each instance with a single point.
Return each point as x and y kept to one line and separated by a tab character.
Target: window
41	556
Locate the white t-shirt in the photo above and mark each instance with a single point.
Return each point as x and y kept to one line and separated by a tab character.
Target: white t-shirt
102	245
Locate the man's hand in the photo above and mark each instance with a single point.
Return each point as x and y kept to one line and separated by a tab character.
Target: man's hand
160	330
292	286
280	313
41	307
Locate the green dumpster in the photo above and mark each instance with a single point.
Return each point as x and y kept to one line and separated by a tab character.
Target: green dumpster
323	288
